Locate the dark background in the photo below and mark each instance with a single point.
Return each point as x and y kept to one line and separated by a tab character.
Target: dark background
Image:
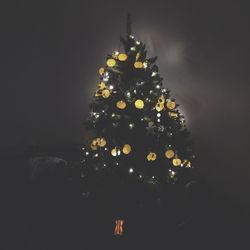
50	55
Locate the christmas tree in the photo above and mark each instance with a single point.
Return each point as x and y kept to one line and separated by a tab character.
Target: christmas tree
138	141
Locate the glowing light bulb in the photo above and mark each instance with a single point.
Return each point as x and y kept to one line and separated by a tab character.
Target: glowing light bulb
158	120
111	87
133	48
131	36
131	125
157	86
131	170
87	153
137	42
154	73
158	114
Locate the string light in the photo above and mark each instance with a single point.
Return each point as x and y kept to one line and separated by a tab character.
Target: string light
131	170
131	125
158	114
154	73
158	120
111	87
131	36
87	153
133	48
137	42
157	86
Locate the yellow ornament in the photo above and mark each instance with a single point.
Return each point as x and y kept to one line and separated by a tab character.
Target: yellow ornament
97	93
138	65
170	105
151	156
101	71
159	106
172	114
176	162
101	142
139	104
121	104
105	93
115	151
111	62
101	85
169	153
93	147
122	57
126	149
161	99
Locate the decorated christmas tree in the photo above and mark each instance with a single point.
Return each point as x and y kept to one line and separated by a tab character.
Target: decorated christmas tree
138	141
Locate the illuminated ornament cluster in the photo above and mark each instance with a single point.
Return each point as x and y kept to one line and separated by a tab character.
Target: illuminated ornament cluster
121	104
126	150
151	156
139	104
160	103
170	104
98	142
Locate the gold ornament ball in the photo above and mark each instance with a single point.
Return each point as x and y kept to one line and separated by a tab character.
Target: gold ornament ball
151	156
111	62
101	85
122	57
176	162
161	99
97	93
159	106
121	104
138	65
105	93
169	153
93	146
139	104
170	105
115	151
101	71
101	142
126	149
